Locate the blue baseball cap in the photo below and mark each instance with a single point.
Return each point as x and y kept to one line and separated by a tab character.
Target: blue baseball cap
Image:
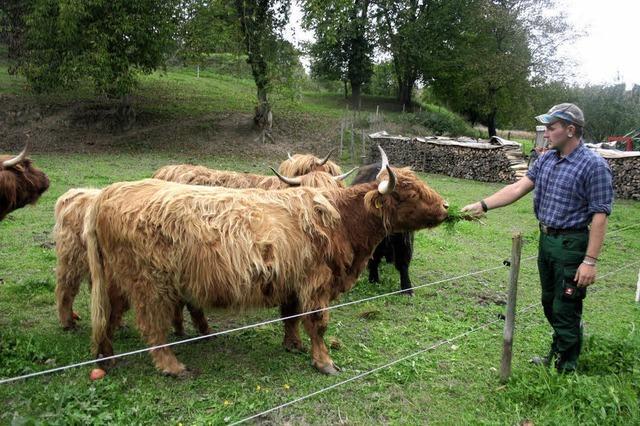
566	111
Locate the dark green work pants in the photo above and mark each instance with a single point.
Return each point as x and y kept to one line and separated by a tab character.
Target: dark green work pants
558	259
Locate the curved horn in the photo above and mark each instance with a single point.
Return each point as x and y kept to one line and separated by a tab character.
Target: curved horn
12	162
385	161
325	159
289	181
344	175
387	186
289	155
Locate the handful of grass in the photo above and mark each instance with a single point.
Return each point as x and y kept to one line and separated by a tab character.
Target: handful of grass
456	215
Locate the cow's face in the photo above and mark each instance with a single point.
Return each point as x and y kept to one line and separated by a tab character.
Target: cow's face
21	183
404	202
418	206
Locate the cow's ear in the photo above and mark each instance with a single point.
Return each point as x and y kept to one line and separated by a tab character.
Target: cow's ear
377	203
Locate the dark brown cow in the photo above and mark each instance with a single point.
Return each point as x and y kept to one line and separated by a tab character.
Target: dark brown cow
21	183
300	248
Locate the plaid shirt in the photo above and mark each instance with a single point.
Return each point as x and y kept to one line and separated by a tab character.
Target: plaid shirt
569	190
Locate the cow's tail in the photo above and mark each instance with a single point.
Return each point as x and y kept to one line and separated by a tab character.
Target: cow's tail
100	303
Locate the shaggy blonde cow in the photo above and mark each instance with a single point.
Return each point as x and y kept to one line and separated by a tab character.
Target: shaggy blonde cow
158	242
301	164
200	175
72	266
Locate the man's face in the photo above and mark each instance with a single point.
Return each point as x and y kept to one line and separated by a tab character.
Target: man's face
558	134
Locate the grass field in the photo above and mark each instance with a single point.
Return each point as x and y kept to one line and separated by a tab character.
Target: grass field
246	372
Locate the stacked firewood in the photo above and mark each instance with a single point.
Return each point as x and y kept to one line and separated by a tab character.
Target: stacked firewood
463	158
626	176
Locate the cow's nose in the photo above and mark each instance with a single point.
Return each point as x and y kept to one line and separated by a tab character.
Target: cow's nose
446	205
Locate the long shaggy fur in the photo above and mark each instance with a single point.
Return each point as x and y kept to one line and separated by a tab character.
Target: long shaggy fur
159	242
20	185
200	175
301	164
71	267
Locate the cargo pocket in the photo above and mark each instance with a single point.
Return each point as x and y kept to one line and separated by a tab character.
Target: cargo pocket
570	289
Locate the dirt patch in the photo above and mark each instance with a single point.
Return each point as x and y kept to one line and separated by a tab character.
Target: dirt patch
90	127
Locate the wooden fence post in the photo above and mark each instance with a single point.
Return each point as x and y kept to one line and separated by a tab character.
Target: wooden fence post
507	352
341	137
352	153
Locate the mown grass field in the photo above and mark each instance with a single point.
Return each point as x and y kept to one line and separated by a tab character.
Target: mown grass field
243	373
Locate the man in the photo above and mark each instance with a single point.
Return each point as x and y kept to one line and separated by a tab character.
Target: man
573	190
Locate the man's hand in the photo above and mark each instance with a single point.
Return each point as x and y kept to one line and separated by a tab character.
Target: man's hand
474	209
585	275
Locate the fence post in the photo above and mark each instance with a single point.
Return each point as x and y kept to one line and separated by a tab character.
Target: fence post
638	288
507	352
352	153
364	145
341	137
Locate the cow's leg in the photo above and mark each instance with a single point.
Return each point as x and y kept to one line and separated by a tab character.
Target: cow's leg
374	263
292	341
68	280
118	306
199	319
154	314
316	325
403	253
178	320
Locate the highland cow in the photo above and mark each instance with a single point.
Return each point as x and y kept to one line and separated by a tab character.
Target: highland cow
21	183
159	242
72	266
301	164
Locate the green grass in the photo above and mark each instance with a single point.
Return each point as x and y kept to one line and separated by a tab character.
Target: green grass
243	373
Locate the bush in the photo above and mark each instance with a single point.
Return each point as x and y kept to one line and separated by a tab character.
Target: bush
441	121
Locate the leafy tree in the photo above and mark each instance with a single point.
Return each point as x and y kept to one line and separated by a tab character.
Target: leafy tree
344	45
208	27
260	24
403	31
108	42
12	29
501	49
383	80
609	110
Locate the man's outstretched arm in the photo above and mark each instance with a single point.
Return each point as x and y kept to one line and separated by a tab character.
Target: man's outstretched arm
504	197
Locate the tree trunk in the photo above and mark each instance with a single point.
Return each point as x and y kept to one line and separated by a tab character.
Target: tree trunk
346	89
125	113
491	123
356	100
252	15
406	91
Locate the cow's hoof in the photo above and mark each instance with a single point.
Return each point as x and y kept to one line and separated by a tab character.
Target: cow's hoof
374	280
71	326
329	369
408	293
294	347
180	371
179	333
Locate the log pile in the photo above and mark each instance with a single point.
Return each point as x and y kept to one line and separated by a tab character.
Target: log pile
626	176
499	161
489	161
